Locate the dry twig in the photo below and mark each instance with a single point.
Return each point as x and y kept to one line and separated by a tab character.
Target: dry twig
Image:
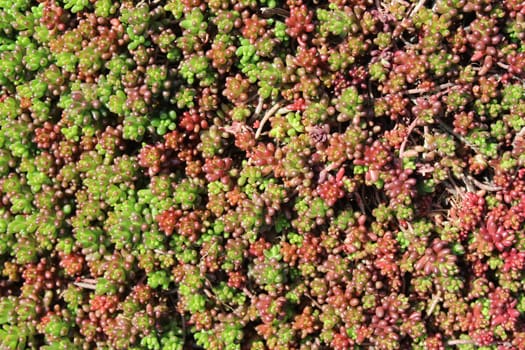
435	300
409	131
86	284
418	6
259	107
269	113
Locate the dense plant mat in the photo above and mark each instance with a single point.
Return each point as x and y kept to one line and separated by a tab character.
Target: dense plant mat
241	174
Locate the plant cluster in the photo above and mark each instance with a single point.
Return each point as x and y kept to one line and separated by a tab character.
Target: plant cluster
273	174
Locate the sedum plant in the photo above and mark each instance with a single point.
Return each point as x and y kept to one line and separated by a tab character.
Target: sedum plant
262	174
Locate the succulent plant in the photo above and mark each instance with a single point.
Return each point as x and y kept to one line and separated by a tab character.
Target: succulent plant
274	174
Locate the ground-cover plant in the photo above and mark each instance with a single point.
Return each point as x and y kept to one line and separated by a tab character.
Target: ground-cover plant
262	174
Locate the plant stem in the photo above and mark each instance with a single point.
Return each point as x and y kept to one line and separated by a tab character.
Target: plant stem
435	300
481	185
259	107
418	6
85	285
409	131
267	116
417	91
460	342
